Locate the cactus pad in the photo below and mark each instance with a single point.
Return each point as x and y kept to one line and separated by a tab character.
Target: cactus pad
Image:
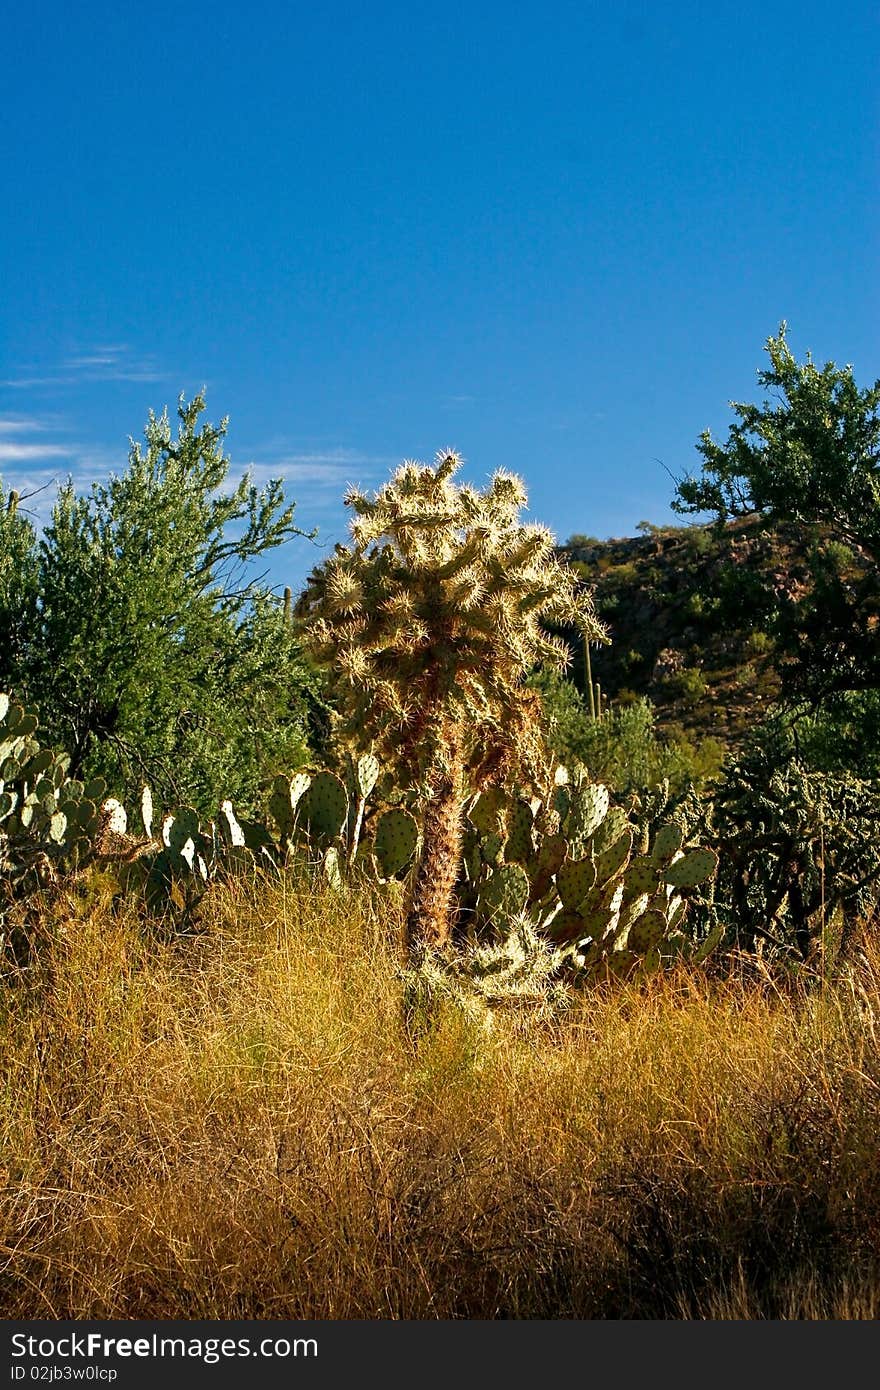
609	832
695	867
610	861
632	909
574	879
367	774
184	826
147	812
597	922
567	927
40	762
230	829
298	786
621	963
646	931
281	810
504	895
395	841
323	807
518	847
676	911
667	841
589	806
490	848
551	854
332	869
562	801
642	876
485	813
706	947
114	816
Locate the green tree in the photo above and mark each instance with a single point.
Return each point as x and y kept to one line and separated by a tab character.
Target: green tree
430	622
18	586
808	458
148	651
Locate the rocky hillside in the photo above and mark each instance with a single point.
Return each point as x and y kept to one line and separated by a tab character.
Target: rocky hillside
683	606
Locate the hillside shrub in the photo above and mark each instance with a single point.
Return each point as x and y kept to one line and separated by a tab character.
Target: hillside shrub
624	748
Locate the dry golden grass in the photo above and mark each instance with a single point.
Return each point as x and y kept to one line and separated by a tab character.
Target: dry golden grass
233	1125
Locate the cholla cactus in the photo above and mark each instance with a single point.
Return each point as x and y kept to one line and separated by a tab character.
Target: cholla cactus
517	973
430	621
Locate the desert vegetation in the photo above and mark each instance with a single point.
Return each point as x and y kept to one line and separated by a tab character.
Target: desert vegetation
358	963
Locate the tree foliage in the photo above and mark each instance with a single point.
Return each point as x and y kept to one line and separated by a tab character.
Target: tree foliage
809	458
18	586
137	633
812	456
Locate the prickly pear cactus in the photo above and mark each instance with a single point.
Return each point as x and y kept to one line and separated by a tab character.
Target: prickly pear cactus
181	828
588	809
692	868
486	812
229	827
367	774
607	893
574	880
323	808
611	861
362	778
286	794
395	840
147	811
667	842
608	890
646	931
503	895
642	876
518	845
48	822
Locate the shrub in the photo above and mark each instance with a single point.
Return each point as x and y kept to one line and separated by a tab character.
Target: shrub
624	748
688	685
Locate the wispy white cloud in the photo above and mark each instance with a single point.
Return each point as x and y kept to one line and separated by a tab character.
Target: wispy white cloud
21	424
12	451
35	465
109	358
113	362
316	478
335	458
321	469
20	445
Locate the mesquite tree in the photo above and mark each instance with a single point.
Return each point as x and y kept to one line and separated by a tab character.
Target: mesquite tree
431	621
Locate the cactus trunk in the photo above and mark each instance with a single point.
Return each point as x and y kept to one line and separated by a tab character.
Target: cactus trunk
430	918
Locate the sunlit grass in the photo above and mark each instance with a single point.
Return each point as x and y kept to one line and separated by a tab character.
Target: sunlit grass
235	1124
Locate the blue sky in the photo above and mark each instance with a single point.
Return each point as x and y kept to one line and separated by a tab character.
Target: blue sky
554	237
